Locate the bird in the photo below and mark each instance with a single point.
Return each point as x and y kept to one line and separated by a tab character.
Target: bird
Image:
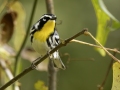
44	37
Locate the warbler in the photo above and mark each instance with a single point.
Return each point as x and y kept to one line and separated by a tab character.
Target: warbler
44	37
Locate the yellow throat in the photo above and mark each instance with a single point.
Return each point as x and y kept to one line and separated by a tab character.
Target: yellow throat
46	30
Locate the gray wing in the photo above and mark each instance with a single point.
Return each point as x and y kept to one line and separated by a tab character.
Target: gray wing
52	42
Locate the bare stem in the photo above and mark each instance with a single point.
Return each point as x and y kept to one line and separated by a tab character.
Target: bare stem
52	72
100	87
52	76
41	59
27	33
97	46
50	6
7	71
114	58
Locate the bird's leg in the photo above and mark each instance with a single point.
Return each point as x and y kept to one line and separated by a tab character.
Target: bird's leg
48	52
51	64
33	63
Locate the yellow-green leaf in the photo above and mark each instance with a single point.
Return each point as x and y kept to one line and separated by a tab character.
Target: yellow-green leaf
116	76
19	28
39	85
106	23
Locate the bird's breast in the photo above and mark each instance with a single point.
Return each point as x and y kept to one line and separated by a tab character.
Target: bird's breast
40	47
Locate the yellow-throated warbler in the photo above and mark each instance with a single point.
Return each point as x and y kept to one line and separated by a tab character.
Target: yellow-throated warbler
44	37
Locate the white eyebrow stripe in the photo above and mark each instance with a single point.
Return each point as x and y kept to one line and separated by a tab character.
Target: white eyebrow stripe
42	17
46	16
36	25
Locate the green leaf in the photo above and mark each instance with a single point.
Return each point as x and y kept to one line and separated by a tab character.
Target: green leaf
19	28
106	23
39	85
116	76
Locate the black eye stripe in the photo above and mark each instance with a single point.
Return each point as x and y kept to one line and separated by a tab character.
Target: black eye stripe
39	24
45	18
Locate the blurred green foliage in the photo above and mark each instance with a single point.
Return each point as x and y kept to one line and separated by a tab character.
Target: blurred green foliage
39	85
106	23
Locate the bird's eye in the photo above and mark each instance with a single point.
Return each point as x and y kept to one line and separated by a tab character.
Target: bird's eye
44	19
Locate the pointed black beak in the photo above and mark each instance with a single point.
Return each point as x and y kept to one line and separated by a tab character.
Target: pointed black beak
53	18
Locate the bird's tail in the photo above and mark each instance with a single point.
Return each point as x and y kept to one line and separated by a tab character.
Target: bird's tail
57	61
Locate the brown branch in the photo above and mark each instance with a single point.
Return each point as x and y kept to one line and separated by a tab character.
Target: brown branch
96	46
7	71
100	87
52	72
114	58
64	43
49	6
52	76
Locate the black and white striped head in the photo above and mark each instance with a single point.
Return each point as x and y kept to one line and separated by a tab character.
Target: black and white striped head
41	22
47	17
44	19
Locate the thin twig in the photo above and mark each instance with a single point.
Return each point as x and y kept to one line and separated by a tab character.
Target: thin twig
64	43
49	6
6	69
27	33
52	72
52	76
88	33
81	42
100	87
8	72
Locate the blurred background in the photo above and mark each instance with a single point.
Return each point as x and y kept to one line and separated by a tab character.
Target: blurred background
86	68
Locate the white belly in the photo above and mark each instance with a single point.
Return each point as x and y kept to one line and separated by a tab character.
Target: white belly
40	47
